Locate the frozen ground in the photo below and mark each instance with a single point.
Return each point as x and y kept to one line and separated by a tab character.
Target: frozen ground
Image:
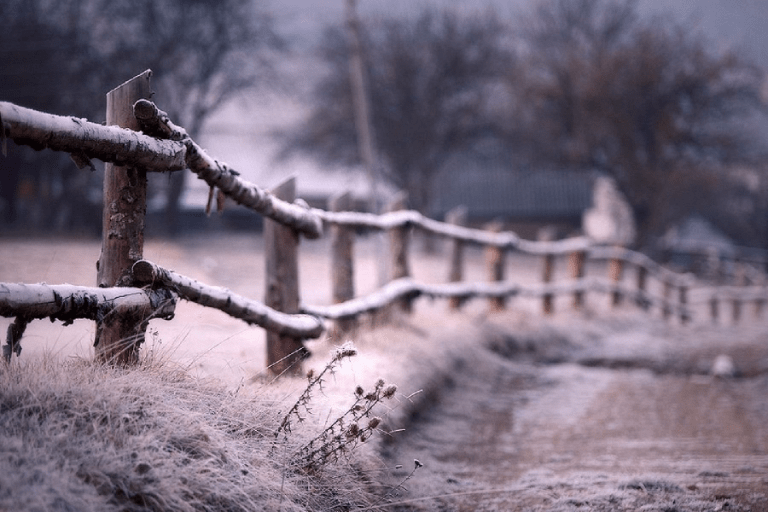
510	411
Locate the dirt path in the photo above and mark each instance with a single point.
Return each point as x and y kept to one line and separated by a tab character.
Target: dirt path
561	419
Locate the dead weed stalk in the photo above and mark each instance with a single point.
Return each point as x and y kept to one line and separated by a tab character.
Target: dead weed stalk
356	425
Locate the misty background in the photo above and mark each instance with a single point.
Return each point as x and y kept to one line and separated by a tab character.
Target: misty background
245	78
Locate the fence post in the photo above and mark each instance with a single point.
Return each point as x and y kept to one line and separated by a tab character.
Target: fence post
457	217
494	257
666	309
683	298
576	264
714	308
642	280
615	273
284	354
549	270
398	247
342	263
125	205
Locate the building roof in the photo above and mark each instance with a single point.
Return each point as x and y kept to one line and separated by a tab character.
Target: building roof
501	192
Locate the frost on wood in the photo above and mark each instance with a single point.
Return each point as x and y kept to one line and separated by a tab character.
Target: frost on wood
85	140
220	175
405	218
68	302
237	306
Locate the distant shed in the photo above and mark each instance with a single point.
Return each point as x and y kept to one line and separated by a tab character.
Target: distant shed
527	201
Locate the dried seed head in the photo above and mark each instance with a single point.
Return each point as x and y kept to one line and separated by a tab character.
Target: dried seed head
390	391
379	383
359	391
346	350
374	422
353	431
417	464
310	374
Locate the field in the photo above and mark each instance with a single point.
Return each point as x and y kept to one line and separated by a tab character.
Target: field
590	410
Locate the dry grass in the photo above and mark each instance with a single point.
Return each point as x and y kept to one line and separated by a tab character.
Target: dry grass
77	436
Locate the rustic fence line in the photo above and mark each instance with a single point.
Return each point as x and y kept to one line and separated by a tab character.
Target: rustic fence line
162	146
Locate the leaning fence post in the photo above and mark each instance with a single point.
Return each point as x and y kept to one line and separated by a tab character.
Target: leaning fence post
494	257
284	354
398	247
576	264
549	270
342	262
125	205
457	217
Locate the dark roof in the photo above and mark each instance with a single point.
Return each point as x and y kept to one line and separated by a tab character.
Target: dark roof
498	192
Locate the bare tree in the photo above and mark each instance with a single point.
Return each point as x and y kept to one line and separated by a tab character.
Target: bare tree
202	52
433	81
646	101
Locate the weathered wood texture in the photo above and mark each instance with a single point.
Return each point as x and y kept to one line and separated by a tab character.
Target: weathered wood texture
399	241
342	264
284	353
642	284
456	217
122	245
67	302
494	261
85	140
255	313
220	175
615	274
506	240
576	262
548	305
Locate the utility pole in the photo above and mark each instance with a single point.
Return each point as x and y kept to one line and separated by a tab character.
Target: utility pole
365	133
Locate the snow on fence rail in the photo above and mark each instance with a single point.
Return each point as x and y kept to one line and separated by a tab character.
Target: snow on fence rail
134	290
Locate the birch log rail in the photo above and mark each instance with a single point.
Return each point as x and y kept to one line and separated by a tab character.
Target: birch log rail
85	140
69	302
237	306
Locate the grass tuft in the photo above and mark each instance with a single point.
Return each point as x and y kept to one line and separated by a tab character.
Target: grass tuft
80	436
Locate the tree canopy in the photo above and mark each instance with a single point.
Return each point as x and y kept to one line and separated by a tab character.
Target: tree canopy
432	82
646	101
588	84
63	56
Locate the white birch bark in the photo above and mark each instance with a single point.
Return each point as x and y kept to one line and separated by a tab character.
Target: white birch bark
68	302
299	326
85	140
220	175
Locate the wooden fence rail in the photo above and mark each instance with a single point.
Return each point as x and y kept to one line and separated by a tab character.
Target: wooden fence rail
161	146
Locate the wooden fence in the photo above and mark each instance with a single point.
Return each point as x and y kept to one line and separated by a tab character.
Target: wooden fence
140	138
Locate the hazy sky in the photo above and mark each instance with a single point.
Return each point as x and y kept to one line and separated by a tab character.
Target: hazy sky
732	22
